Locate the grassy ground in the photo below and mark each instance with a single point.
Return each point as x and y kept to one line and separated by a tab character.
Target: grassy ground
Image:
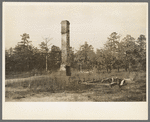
78	87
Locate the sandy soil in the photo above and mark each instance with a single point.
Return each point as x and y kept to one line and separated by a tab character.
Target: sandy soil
54	97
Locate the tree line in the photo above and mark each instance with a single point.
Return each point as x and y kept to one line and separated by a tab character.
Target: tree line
26	57
128	53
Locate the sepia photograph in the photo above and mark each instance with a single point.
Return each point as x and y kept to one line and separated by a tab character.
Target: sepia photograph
75	52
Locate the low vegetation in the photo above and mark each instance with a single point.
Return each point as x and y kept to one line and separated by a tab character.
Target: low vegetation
79	83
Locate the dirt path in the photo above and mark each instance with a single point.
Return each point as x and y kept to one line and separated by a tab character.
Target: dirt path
24	79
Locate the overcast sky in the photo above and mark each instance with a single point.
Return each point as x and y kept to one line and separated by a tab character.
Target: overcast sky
91	22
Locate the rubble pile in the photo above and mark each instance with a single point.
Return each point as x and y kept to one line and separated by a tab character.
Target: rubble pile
114	81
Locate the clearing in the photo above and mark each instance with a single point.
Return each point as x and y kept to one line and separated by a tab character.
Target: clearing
50	88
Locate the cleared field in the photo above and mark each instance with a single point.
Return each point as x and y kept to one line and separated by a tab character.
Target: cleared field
79	87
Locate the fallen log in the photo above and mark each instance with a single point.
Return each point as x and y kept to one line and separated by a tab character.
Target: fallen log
107	80
114	81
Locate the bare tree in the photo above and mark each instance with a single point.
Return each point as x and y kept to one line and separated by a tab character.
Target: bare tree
45	47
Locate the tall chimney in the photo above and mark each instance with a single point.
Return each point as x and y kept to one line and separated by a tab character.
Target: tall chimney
65	47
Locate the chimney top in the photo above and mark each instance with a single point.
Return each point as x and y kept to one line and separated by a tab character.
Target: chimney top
65	21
